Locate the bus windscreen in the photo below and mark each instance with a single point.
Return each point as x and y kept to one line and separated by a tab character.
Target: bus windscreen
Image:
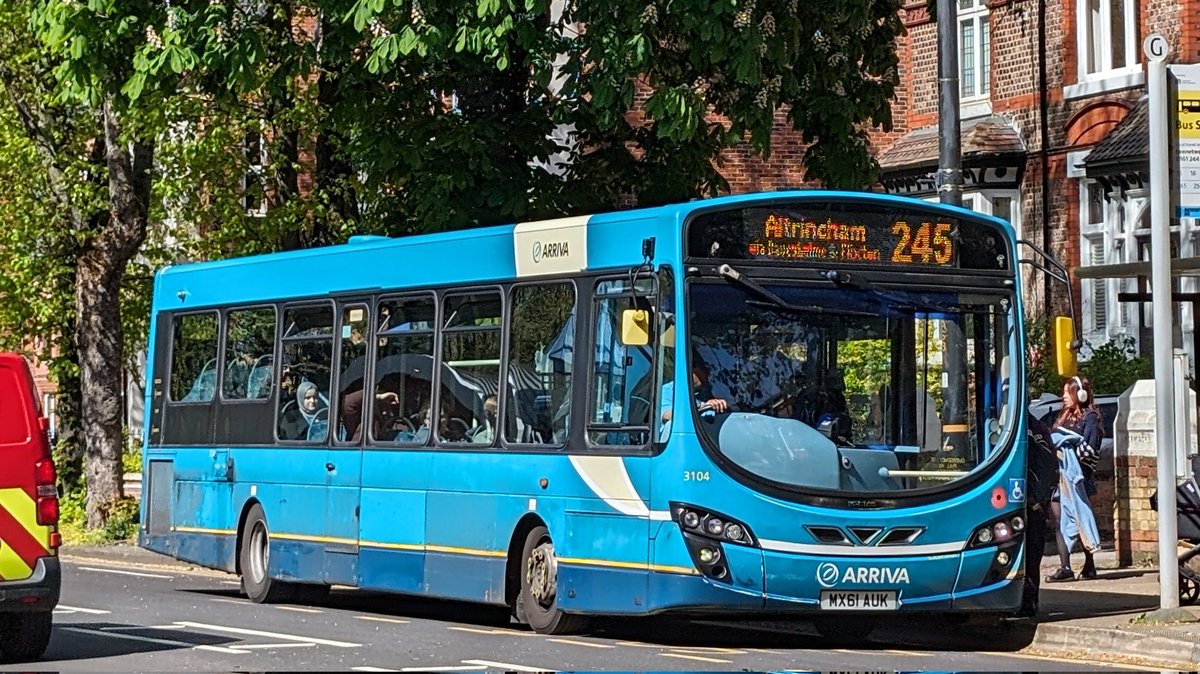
848	233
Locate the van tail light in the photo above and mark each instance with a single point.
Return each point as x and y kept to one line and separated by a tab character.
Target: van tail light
45	478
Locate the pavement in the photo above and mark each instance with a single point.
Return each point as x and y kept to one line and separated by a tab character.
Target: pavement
1095	619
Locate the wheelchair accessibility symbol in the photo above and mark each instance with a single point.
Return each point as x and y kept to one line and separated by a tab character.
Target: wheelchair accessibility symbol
1016	489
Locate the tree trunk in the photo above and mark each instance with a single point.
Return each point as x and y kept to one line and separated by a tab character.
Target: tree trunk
100	270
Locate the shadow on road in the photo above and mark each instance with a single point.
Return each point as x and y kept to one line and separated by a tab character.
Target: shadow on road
85	641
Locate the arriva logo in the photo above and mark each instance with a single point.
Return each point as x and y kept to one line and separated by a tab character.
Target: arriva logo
552	249
829	575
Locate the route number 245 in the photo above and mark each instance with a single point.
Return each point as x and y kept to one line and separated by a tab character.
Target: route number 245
928	244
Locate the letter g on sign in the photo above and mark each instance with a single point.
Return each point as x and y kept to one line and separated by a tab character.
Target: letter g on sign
827	574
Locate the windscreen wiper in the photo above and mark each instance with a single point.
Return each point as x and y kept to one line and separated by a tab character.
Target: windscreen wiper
776	302
844	279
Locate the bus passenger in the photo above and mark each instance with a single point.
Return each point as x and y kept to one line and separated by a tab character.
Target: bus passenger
484	433
296	420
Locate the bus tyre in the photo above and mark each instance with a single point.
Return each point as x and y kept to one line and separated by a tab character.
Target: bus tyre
537	603
24	636
254	558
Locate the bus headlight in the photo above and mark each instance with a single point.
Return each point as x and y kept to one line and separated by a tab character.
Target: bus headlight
998	531
711	525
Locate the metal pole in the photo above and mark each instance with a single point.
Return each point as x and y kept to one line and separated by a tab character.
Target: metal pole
1160	281
949	178
949	184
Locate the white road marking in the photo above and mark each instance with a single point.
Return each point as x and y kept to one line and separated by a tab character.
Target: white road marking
916	653
79	609
225	600
272	635
506	666
127	573
299	609
693	657
449	668
232	582
160	642
572	642
378	619
507	633
372	669
130	628
254	646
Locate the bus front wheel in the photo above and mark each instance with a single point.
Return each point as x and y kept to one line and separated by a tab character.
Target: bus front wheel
537	603
254	558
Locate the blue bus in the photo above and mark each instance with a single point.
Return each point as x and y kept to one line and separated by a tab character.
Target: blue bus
801	402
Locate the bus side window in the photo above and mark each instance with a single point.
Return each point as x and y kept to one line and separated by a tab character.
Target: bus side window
194	358
404	367
352	363
249	347
622	377
305	377
540	350
470	373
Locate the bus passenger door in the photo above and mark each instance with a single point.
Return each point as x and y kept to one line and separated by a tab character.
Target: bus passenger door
343	467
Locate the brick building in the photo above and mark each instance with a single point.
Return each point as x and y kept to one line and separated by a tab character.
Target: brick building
1054	139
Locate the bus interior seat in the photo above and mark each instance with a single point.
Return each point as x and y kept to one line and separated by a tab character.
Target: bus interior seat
861	470
784	450
258	383
205	386
319	428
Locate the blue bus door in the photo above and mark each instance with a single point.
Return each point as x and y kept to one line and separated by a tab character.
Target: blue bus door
343	466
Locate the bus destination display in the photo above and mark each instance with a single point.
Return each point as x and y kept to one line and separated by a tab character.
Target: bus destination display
915	242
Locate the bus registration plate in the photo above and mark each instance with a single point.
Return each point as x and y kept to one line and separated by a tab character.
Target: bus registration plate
858	600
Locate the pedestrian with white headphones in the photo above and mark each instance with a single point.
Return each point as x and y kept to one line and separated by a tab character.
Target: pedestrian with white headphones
1081	417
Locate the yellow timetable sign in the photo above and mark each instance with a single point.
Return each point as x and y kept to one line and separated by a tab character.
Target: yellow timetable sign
1188	115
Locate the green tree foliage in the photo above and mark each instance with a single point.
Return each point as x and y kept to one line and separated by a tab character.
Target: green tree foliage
1115	365
421	116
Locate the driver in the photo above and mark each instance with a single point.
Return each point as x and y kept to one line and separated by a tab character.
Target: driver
702	390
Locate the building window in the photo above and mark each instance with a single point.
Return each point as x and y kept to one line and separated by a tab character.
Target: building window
1107	36
974	41
1000	203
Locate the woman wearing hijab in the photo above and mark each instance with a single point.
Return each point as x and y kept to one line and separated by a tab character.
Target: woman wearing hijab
297	420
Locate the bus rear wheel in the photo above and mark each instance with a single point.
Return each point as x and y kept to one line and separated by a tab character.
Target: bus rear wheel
254	559
537	603
24	636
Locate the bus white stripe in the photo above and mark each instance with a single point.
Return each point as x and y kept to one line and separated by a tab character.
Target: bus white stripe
607	478
851	551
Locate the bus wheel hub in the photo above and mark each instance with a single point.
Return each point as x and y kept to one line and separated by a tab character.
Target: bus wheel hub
541	572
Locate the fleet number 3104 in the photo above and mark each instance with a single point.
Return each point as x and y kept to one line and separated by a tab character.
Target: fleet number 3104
695	476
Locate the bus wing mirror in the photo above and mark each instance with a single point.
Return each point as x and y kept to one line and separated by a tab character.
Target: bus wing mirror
1064	346
635	327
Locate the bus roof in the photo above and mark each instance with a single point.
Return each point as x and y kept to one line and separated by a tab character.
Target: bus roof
495	253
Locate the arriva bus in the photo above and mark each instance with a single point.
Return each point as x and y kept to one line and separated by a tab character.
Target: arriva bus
804	403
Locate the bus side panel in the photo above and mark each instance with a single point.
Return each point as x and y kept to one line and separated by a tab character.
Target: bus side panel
590	579
464	559
202	513
392	520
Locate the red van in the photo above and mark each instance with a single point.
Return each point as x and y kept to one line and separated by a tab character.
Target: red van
30	577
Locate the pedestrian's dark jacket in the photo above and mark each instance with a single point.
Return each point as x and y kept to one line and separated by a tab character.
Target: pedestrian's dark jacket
1043	463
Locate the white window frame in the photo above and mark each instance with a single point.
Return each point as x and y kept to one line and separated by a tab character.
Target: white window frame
974	13
1105	69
